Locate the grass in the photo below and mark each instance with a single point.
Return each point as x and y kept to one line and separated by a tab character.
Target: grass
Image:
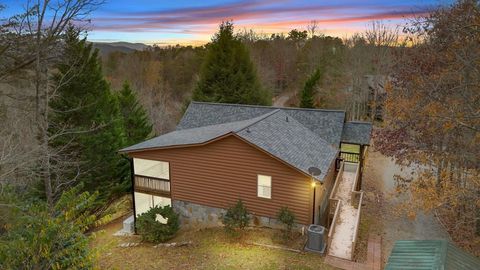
352	148
211	249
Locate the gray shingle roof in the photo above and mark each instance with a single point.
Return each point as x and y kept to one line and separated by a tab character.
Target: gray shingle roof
328	124
286	138
194	135
357	133
276	132
309	138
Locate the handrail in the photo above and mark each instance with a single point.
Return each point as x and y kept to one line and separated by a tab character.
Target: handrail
332	228
350	157
357	222
357	176
349	152
151	183
365	152
354	185
337	210
339	175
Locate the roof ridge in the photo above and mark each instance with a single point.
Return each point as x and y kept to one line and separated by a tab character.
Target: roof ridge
270	107
260	118
298	122
314	134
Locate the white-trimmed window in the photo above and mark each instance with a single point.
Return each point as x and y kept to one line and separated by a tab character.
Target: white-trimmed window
151	168
264	186
143	202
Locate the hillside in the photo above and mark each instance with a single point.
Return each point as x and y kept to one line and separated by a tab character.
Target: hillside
106	48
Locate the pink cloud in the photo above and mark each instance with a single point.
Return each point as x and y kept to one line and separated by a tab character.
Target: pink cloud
256	14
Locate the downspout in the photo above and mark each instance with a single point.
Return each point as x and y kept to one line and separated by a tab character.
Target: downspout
132	178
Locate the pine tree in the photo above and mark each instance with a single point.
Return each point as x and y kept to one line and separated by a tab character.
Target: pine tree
135	120
228	75
307	99
87	120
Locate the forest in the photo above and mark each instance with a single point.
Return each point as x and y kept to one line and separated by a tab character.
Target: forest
66	110
353	71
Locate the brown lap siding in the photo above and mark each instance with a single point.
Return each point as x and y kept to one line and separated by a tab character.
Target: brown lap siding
219	173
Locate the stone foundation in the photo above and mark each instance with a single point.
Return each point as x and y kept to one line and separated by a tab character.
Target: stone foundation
200	216
196	215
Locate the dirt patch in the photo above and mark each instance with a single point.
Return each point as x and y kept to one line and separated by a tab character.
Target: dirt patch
370	219
378	212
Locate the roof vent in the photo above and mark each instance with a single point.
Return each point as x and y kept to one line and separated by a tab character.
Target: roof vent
248	129
286	118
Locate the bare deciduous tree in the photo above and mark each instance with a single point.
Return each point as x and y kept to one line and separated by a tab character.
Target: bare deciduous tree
370	60
312	28
33	41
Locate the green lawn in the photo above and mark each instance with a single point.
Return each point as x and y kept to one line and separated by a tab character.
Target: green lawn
211	249
352	148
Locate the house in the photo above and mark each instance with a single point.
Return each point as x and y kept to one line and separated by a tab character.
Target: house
220	153
430	254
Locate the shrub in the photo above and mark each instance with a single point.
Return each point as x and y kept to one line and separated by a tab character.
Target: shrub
236	218
152	230
287	218
36	236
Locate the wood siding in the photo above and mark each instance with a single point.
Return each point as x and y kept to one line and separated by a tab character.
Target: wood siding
219	173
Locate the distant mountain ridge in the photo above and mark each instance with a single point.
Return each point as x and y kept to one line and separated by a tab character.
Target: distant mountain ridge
106	48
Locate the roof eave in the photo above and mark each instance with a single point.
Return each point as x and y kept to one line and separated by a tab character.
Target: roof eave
127	151
351	142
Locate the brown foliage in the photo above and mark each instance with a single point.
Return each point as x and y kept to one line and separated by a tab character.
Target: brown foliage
433	117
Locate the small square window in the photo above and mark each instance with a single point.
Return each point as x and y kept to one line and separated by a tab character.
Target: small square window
264	186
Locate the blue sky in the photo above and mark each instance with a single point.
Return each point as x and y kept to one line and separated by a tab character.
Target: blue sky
193	22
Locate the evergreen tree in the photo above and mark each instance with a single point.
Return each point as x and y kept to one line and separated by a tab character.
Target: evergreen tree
135	120
37	237
307	99
228	75
87	120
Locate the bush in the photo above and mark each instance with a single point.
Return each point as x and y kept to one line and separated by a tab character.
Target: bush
236	218
287	218
37	236
152	230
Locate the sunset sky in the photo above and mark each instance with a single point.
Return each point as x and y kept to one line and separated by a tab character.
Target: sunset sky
193	22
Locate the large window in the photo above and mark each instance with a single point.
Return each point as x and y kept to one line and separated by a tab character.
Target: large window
143	202
151	168
264	186
152	184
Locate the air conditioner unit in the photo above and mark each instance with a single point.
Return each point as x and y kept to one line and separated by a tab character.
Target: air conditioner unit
317	238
